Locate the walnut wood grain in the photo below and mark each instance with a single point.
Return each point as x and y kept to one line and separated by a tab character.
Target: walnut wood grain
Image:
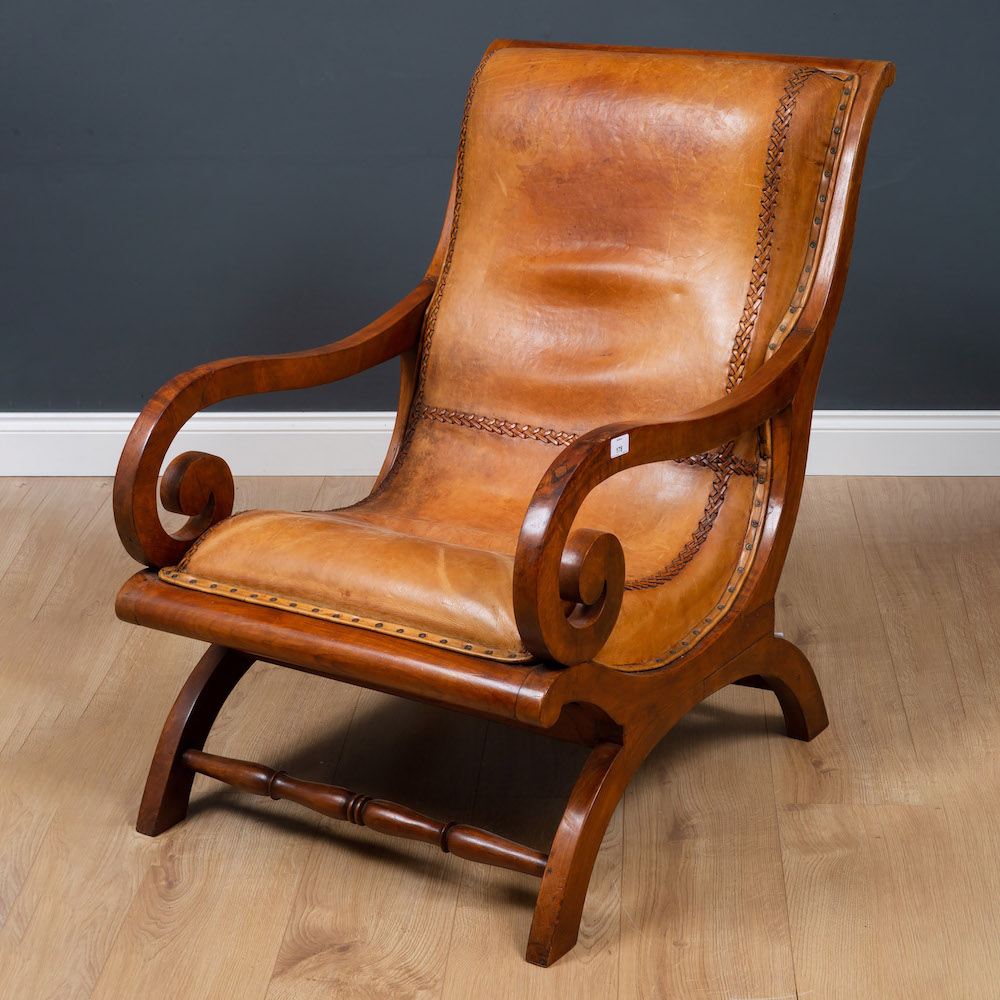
468	842
201	485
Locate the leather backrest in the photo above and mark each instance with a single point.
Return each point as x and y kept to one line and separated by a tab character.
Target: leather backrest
631	232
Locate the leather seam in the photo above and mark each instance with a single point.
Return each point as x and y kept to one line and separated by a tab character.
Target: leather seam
177	577
512	429
713	505
821	206
780	127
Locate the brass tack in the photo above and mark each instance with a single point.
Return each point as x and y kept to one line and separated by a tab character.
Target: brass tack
335	614
826	173
748	547
833	149
812	244
772	347
756	503
836	131
802	288
353	619
843	107
784	328
672	652
232	590
252	595
817	220
684	642
822	197
754	524
422	635
696	632
721	607
174	576
468	647
512	656
445	641
760	479
399	630
792	309
315	610
378	624
708	620
732	590
847	90
489	652
292	604
809	267
213	586
739	569
272	599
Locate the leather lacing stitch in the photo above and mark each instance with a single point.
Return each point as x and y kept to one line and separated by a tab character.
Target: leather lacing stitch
807	274
765	226
494	425
716	498
510	428
180	578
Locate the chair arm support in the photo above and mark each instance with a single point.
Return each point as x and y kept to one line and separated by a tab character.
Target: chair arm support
587	568
201	485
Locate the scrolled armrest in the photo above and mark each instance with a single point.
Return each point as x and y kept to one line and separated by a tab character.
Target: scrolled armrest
586	569
201	485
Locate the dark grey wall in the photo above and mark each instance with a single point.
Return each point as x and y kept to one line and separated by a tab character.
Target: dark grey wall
187	180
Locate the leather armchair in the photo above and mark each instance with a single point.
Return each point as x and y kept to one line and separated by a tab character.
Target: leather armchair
607	377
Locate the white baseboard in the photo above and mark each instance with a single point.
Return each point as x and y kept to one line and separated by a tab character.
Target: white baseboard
844	442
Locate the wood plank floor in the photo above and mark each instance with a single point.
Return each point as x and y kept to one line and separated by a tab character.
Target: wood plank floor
740	864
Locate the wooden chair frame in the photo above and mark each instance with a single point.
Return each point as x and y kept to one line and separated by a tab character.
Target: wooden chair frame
620	715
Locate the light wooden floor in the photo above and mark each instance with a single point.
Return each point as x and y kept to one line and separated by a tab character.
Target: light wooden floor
741	864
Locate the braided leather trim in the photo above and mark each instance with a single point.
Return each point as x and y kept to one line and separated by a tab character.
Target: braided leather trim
720	459
723	460
494	425
807	274
765	226
716	498
174	575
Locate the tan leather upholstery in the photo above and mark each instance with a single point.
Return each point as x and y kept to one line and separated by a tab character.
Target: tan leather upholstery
633	233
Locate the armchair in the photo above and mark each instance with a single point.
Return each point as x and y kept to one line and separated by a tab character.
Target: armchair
606	390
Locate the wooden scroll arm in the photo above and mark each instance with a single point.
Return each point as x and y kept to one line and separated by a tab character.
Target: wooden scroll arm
201	485
587	568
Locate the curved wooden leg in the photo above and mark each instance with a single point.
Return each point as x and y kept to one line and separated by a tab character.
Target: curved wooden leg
784	669
574	850
168	786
